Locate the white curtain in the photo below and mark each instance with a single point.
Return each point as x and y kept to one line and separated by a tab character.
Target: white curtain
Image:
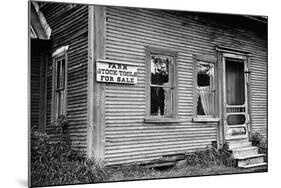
207	100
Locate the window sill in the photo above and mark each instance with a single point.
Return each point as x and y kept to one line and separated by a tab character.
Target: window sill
163	120
206	119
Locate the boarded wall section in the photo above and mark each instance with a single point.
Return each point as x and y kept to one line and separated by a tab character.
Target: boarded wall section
38	61
127	138
34	85
69	24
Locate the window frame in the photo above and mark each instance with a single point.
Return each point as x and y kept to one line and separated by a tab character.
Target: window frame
57	56
208	59
165	52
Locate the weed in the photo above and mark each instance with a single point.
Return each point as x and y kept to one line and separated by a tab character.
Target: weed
210	156
259	141
57	162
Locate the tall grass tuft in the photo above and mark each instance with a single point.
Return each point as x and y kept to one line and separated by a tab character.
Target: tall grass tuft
58	163
259	141
210	156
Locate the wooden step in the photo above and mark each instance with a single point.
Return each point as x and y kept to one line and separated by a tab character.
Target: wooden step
243	152
238	144
237	139
258	166
250	160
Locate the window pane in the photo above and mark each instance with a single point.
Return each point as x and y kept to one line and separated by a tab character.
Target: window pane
203	80
160	69
205	103
62	78
200	110
236	119
58	74
205	75
59	104
205	89
160	101
235	86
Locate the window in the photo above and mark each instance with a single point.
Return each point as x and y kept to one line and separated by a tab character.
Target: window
59	85
161	90
205	91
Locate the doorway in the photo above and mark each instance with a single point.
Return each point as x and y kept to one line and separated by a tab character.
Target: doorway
235	97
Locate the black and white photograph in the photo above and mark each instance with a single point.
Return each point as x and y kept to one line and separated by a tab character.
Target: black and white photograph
121	93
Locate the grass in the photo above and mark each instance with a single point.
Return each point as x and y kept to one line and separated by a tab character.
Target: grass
137	173
209	161
59	163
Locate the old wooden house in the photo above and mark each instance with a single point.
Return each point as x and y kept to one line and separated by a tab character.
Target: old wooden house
137	84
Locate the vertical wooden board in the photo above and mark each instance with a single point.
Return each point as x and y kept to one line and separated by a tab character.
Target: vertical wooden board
90	98
99	53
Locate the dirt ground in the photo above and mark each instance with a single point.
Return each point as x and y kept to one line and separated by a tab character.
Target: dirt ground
137	172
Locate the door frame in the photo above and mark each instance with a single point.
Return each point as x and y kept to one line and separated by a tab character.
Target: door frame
228	106
222	53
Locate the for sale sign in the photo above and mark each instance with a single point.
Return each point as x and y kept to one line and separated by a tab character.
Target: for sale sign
116	72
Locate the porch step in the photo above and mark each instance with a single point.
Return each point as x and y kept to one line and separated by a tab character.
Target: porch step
250	160
244	151
257	166
246	155
238	144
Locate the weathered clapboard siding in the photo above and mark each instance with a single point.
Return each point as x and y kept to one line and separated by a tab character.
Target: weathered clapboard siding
38	60
259	92
128	139
128	31
69	23
34	87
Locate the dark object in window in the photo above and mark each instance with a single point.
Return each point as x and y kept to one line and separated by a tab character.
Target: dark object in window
161	86
157	101
203	80
200	110
159	70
